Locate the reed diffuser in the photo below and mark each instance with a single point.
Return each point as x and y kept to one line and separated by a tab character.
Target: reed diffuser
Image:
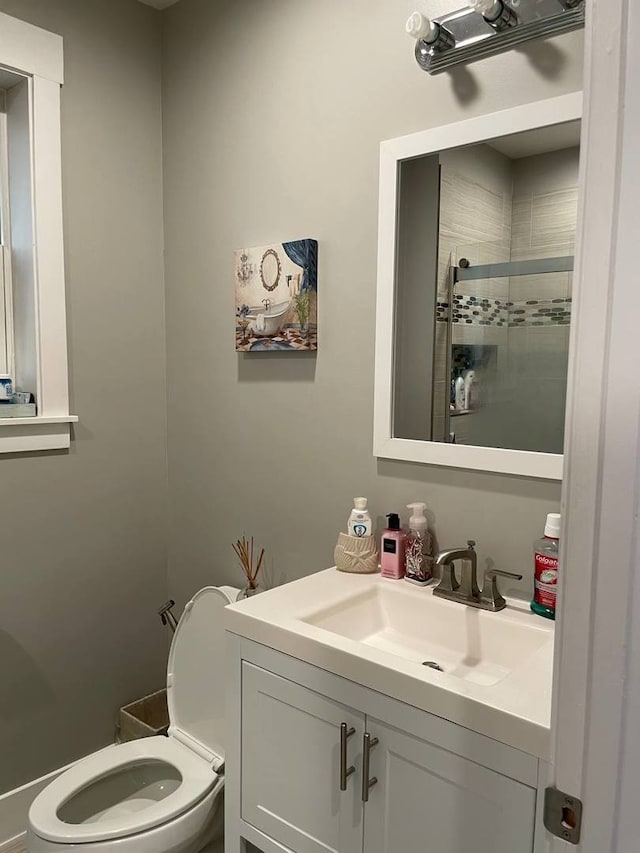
245	552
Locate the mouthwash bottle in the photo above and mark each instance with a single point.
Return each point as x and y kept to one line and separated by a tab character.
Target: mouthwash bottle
545	552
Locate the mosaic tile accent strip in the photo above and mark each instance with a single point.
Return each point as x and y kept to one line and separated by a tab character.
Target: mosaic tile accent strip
540	312
474	311
442	312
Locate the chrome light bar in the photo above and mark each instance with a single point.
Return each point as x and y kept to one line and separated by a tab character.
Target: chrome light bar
468	35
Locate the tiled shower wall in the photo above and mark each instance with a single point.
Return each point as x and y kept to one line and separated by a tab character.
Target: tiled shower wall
545	205
475	222
493	209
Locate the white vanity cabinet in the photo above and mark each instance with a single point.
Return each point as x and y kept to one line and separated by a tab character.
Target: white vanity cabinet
429	798
438	786
290	765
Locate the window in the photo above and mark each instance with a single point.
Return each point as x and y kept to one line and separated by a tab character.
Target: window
33	343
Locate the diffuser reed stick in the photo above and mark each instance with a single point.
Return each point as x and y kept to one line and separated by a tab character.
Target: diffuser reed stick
245	551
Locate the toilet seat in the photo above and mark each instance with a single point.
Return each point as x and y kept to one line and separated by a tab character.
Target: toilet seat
198	779
141	797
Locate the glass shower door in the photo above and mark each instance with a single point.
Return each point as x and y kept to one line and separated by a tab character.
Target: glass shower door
507	344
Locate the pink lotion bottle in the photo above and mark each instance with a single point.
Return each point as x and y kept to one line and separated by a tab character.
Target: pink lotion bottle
392	549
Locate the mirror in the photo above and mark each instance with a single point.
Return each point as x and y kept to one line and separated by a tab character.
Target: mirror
270	270
476	258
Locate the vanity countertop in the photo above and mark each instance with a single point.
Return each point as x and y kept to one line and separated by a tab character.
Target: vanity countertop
498	667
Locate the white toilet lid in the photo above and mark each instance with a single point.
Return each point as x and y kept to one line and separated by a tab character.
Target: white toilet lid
195	675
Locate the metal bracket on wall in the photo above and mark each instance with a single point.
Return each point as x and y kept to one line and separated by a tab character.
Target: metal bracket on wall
473	38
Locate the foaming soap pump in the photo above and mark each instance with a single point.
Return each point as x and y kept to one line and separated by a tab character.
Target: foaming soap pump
418	560
392	551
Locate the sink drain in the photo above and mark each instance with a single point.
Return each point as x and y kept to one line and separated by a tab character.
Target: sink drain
433	665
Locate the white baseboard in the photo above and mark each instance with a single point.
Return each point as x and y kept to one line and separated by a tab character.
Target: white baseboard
15	805
14	810
15	845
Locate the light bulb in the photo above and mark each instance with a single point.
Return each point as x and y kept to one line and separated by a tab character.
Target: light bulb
420	27
484	7
436	38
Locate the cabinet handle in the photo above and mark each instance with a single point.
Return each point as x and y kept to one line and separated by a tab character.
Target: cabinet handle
367	783
345	771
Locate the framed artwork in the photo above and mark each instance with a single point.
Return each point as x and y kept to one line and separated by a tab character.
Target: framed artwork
277	297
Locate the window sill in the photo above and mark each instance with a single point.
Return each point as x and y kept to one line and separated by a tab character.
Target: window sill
26	435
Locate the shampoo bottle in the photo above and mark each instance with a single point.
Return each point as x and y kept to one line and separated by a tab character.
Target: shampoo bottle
392	550
459	394
546	568
469	377
359	523
418	559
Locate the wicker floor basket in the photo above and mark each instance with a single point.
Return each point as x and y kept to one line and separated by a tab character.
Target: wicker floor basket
145	717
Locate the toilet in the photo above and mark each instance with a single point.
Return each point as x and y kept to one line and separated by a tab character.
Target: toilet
158	794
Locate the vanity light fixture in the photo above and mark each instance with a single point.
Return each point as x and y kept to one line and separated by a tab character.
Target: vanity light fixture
496	13
486	27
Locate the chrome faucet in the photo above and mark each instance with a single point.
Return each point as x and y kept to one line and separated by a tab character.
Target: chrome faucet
466	591
267	305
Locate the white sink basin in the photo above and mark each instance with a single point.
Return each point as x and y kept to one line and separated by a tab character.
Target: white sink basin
475	645
497	667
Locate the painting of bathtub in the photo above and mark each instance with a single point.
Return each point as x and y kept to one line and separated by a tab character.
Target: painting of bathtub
276	303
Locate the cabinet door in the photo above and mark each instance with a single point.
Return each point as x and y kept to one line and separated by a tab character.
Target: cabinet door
291	758
429	799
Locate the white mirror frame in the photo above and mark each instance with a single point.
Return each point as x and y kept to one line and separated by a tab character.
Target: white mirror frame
525	463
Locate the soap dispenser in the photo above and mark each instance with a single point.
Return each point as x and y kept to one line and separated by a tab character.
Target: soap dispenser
418	561
392	550
359	523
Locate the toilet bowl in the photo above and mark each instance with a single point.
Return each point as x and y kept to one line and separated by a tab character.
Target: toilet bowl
158	794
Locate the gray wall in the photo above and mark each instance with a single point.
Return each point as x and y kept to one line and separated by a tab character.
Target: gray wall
83	533
273	114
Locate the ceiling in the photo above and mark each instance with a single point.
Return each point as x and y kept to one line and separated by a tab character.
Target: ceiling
542	140
159	4
8	79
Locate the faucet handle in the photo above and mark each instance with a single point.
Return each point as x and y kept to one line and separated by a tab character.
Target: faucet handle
493	573
490	596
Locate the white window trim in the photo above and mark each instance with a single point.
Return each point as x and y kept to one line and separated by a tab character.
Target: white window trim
39	55
6	290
